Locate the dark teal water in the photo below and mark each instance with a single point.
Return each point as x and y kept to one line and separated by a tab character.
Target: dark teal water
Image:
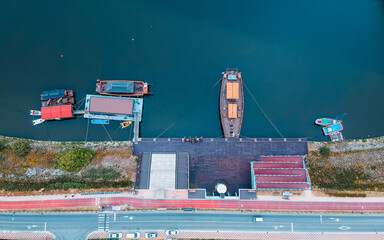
301	59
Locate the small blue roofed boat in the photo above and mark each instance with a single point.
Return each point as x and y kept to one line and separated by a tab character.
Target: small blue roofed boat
99	121
332	129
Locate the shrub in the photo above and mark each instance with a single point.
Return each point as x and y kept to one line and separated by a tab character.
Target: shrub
73	160
3	143
21	147
325	151
102	173
2	158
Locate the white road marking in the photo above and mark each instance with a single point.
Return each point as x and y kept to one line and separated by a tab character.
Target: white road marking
277	227
344	228
114	217
321	219
292	227
31	226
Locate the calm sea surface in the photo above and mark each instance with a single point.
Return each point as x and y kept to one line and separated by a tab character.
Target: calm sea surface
301	60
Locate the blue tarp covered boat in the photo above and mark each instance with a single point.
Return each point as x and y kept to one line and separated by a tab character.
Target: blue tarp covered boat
52	94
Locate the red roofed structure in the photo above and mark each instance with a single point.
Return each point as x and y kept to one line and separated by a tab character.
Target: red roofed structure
63	111
280	173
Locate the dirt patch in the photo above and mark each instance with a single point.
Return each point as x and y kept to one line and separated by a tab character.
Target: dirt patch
63	209
334	193
351	170
123	161
69	191
38	167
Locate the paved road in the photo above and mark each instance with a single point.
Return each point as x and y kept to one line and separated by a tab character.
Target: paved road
77	226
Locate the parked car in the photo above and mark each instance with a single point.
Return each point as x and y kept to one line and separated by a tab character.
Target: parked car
133	235
150	235
172	232
115	235
257	219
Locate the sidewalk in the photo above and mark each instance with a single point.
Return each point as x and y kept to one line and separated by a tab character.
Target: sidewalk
177	199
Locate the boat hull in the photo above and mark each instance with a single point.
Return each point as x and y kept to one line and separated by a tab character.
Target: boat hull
326	121
231	103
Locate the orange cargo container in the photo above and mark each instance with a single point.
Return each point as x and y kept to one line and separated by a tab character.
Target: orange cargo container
232	110
232	90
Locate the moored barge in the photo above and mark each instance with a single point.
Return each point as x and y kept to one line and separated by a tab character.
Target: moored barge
57	97
123	88
231	103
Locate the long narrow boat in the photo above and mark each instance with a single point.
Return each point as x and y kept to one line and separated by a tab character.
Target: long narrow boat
123	88
100	121
231	103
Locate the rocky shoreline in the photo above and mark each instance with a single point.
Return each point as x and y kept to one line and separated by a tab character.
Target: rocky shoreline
57	146
349	145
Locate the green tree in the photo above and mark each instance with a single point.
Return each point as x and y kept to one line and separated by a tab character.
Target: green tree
21	147
73	160
325	151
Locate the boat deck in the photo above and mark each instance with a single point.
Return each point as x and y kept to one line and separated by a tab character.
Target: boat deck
231	105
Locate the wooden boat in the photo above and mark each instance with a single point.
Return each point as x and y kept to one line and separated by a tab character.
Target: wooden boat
99	121
38	121
35	113
123	88
125	124
329	121
231	103
326	121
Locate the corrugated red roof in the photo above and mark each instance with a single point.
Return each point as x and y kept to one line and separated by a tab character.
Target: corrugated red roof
64	111
111	105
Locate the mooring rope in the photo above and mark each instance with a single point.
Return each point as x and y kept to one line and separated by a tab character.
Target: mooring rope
86	135
130	131
113	134
186	111
107	132
261	109
81	101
